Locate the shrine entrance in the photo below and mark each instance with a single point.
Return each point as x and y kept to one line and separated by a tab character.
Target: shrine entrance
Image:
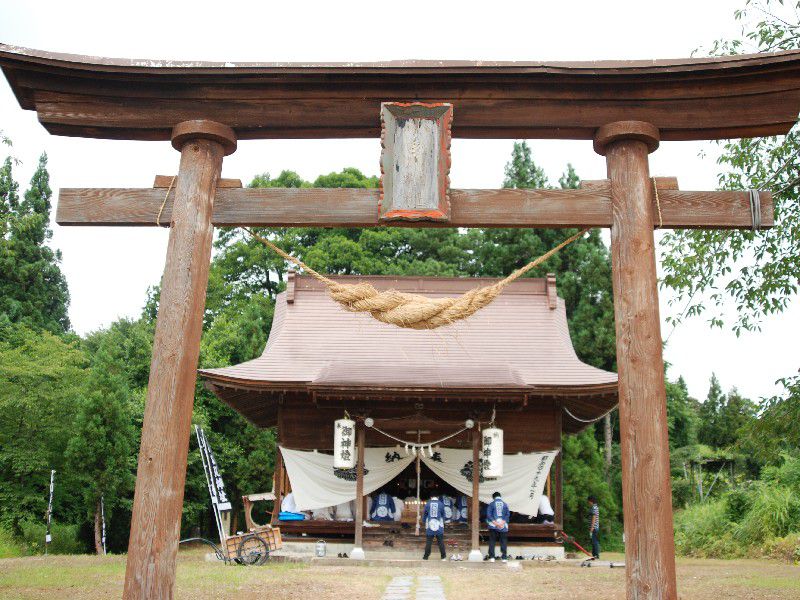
626	108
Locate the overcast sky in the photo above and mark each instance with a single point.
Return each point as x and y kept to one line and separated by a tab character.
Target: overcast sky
109	269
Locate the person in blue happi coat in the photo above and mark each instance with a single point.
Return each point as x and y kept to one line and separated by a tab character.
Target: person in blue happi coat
461	510
382	508
497	515
449	508
434	526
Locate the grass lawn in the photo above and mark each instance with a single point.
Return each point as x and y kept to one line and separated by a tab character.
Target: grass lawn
67	577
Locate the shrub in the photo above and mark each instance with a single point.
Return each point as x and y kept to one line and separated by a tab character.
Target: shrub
682	492
775	512
787	474
704	530
9	548
785	548
65	538
738	502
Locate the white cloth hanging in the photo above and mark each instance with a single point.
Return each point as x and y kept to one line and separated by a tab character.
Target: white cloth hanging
316	484
522	482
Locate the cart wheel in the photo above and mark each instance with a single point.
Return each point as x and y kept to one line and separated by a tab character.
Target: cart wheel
252	550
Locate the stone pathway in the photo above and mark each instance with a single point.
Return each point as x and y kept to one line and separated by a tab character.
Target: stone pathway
399	588
428	588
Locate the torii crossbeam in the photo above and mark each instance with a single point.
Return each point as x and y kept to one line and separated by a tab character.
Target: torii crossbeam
625	107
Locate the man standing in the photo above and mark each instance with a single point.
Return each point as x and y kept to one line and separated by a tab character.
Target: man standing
594	526
497	515
434	526
382	508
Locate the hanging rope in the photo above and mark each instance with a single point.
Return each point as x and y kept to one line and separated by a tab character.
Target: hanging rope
755	208
412	311
419	444
566	410
164	203
658	204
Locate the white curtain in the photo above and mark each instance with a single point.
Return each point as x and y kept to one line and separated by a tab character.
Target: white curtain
522	483
316	484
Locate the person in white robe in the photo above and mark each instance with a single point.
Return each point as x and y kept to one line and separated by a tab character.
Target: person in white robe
322	514
398	508
546	512
346	511
288	504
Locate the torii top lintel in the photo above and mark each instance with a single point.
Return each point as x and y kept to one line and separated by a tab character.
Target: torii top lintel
687	99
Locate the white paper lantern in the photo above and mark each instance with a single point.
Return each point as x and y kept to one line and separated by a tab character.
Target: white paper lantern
492	452
344	444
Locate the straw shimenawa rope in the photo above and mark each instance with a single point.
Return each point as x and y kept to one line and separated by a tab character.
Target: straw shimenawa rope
412	311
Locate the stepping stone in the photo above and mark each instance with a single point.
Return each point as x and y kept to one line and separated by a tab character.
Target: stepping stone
399	588
430	588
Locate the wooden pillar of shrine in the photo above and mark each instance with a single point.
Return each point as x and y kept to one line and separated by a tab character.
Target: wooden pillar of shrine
475	507
358	545
161	474
277	486
646	491
557	499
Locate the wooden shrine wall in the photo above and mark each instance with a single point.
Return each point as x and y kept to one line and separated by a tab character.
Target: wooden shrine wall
303	426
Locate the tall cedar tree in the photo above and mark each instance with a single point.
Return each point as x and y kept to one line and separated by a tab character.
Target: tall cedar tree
100	453
33	291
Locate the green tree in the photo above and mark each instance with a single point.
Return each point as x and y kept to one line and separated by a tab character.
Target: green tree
521	171
33	291
682	417
583	476
710	432
756	271
41	383
9	198
735	417
724	419
101	451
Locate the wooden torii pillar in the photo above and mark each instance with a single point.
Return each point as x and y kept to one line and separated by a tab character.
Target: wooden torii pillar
161	474
646	480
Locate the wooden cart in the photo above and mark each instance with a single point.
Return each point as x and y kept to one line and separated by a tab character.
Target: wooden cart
254	546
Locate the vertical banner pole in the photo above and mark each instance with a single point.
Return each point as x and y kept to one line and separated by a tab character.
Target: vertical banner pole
206	460
418	460
475	509
358	549
47	536
103	523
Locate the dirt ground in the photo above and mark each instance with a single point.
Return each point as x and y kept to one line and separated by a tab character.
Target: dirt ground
69	577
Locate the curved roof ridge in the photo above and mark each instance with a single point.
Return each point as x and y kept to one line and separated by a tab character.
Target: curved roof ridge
314	336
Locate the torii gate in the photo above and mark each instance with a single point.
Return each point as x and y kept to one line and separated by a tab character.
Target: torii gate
626	108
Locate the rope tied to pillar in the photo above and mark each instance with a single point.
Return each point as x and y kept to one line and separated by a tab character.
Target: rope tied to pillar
413	311
164	203
755	209
658	204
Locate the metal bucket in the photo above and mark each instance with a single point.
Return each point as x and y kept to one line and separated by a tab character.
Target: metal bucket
320	548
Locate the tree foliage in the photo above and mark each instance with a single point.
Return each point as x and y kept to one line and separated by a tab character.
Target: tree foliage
757	272
33	291
101	451
41	383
